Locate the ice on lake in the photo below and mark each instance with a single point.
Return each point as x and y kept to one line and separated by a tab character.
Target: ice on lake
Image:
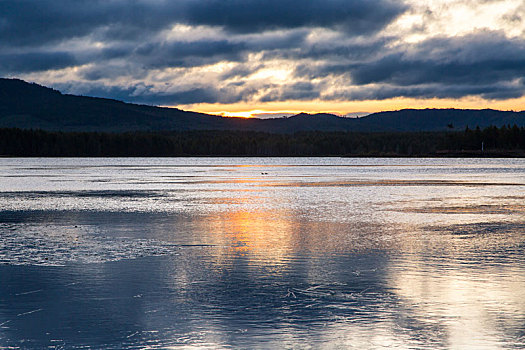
262	253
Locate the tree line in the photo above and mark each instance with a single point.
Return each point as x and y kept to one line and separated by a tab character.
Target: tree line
492	141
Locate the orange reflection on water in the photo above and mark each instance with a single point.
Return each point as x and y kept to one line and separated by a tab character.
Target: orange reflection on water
247	227
262	234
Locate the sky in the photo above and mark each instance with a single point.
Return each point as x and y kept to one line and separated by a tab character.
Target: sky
272	57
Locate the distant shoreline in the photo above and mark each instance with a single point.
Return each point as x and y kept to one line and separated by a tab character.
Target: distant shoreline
492	142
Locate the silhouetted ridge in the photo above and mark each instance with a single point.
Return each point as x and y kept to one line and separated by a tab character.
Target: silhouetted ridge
31	106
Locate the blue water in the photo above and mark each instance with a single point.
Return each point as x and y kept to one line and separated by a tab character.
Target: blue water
300	253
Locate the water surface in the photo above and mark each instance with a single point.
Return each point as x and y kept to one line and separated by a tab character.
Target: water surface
262	253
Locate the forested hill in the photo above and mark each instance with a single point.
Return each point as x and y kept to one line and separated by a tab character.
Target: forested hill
31	106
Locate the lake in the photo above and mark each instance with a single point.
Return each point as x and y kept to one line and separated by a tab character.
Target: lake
258	253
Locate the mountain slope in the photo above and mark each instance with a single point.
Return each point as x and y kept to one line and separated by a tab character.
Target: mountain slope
25	105
438	119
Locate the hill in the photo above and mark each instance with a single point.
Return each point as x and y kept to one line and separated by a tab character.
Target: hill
438	119
32	106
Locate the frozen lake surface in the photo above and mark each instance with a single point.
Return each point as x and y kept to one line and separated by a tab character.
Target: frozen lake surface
300	253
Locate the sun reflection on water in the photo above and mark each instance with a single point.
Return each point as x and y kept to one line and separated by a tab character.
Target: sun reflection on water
260	235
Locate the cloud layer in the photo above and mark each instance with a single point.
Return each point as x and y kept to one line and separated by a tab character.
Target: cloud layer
216	51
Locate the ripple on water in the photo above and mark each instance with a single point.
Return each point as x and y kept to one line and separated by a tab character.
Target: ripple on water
57	245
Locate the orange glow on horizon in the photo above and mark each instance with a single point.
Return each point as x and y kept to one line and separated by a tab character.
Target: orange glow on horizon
360	108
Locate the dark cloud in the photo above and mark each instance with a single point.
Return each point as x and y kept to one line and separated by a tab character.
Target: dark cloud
355	51
28	22
383	92
337	51
148	94
353	16
295	91
34	62
189	53
240	71
112	71
194	95
475	60
198	52
404	72
331	43
484	64
122	93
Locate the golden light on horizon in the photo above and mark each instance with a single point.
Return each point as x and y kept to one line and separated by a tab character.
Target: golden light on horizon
249	110
252	113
